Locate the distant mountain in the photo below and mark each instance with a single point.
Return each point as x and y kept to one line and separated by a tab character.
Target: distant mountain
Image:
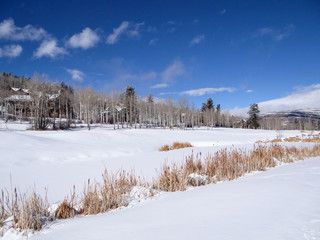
305	99
300	113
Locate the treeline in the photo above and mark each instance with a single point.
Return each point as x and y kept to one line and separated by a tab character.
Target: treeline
54	105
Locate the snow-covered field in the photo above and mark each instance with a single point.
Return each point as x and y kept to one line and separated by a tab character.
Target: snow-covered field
282	203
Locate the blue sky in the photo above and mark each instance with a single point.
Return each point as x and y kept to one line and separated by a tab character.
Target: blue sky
236	52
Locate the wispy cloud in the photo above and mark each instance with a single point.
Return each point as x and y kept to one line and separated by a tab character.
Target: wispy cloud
172	26
49	48
129	29
76	74
276	34
196	21
134	30
249	91
160	85
170	74
204	91
9	31
176	69
223	11
117	32
197	39
10	51
153	41
86	39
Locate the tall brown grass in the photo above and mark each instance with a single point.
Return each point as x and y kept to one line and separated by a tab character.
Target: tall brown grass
228	165
311	139
99	198
174	146
28	211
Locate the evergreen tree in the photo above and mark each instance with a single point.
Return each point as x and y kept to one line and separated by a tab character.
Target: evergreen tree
208	105
130	103
253	121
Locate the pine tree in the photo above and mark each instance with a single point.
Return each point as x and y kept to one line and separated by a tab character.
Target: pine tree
131	103
254	112
208	105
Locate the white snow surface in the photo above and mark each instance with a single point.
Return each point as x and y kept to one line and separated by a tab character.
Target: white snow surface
282	203
58	160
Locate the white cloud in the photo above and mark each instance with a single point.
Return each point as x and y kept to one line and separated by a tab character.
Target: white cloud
129	29
276	34
167	76
11	51
197	39
223	11
86	39
9	31
302	98
49	48
176	69
76	74
134	30
153	41
117	32
249	91
204	91
160	85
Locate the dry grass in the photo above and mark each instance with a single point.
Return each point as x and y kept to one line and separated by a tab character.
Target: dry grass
164	148
65	210
99	198
174	146
311	139
33	212
27	211
227	165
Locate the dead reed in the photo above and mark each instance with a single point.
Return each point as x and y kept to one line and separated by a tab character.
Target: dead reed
111	194
28	211
227	165
311	139
174	146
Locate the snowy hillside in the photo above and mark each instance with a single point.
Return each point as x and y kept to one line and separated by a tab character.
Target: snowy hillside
281	203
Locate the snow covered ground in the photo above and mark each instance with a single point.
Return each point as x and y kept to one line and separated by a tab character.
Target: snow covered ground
282	203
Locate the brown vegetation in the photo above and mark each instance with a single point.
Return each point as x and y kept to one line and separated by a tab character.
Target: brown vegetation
227	165
314	139
27	211
174	146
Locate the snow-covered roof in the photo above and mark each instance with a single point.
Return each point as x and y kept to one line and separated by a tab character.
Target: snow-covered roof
15	89
19	98
53	96
20	89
